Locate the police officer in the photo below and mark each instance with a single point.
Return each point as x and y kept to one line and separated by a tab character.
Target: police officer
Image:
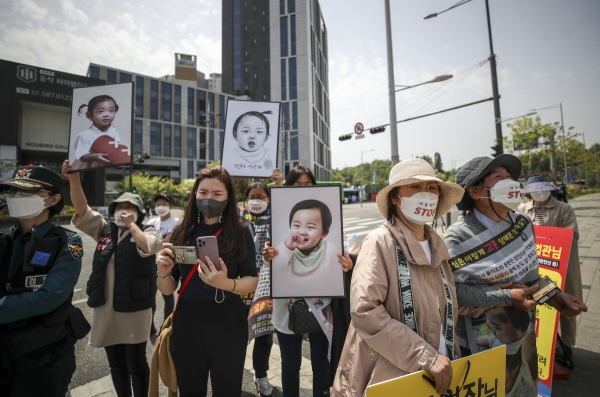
39	267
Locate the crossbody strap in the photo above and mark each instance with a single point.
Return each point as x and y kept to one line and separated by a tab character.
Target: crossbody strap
408	305
190	275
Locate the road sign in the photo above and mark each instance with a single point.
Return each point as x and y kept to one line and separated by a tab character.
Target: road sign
359	128
359	136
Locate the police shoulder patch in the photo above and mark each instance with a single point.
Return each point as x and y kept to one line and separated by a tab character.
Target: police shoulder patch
75	246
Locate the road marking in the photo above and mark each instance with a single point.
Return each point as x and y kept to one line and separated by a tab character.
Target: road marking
78	289
350	219
380	221
358	220
349	229
79	301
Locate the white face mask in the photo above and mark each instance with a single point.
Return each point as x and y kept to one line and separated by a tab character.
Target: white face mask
119	221
162	210
25	206
540	196
257	206
420	207
506	192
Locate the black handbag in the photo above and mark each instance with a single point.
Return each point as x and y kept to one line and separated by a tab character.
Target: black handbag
302	319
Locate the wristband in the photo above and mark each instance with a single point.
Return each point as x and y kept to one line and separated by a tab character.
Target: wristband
161	277
234	285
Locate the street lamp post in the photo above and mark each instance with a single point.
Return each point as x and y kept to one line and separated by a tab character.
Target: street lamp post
492	58
391	86
562	124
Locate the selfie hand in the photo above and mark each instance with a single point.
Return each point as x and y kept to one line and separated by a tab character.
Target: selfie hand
346	262
211	276
269	252
522	299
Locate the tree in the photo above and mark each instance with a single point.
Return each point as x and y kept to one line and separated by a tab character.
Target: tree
7	165
427	158
437	162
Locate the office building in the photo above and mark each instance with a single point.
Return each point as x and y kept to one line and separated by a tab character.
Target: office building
276	50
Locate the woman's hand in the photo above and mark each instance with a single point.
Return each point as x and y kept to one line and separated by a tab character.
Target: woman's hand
346	262
442	374
269	252
277	177
165	260
66	167
213	277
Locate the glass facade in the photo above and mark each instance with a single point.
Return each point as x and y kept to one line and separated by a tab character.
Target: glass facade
138	138
177	107
190	169
153	99
155	139
282	7
124	77
202	145
291	6
283	81
292	35
202	108
190	106
139	96
191	143
177	141
211	110
221	112
237	44
294	147
211	145
111	76
283	30
94	72
293	83
167	140
165	101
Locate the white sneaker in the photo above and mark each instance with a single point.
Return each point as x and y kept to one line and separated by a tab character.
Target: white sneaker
263	386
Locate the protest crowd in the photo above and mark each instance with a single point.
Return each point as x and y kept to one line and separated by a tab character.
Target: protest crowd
407	300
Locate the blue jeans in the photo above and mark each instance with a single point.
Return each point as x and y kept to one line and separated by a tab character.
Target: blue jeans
291	359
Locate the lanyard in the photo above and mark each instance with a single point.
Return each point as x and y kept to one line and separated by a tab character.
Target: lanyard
408	305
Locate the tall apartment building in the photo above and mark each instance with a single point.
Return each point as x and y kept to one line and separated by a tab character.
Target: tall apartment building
179	119
277	50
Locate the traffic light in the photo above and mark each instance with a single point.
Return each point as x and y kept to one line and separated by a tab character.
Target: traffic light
377	130
345	137
497	150
134	190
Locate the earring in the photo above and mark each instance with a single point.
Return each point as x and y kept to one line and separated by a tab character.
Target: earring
198	216
221	218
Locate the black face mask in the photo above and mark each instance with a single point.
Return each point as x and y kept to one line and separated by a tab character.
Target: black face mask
211	208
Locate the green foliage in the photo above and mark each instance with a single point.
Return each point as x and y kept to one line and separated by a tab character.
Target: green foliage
7	165
427	158
437	162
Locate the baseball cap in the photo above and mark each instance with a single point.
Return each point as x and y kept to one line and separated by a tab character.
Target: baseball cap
164	196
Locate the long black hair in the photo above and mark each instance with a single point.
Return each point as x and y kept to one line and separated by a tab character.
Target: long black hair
258	185
295	174
96	100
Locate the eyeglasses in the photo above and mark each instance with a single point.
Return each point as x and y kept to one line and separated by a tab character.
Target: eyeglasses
262	198
22	193
416	188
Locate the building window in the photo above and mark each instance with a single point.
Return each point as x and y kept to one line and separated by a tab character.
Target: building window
177	115
94	72
283	81
190	167
124	77
281	7
165	101
153	99
285	146
211	110
154	139
293	35
221	112
190	106
139	96
111	76
295	115
221	142
167	140
177	141
211	145
294	151
285	109
283	31
293	86
138	138
291	6
201	105
191	143
237	45
202	145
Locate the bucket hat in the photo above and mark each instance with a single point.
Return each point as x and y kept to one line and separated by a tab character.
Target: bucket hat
538	184
418	170
475	170
126	198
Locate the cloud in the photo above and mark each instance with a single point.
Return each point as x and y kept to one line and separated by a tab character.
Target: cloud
540	75
29	9
73	13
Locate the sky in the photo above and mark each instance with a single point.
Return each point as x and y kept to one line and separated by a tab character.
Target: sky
547	53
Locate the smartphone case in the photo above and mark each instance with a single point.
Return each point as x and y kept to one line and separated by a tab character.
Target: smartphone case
207	246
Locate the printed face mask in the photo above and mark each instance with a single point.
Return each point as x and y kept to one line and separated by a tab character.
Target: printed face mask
162	210
25	206
119	221
420	207
540	196
257	206
506	192
211	208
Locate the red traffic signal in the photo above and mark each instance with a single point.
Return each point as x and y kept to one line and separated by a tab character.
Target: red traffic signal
377	130
345	137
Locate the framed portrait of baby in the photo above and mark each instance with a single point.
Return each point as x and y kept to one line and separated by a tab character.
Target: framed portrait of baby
251	138
101	127
306	231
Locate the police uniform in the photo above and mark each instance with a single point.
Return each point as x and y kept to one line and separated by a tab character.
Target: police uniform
38	324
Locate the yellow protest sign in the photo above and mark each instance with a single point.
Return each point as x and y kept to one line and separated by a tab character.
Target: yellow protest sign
485	376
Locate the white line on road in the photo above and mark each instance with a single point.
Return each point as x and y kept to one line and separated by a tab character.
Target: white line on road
349	229
380	221
358	220
77	289
79	301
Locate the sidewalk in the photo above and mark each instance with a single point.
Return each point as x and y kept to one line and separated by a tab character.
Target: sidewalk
585	378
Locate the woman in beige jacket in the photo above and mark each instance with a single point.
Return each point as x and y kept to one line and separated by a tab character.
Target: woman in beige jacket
404	257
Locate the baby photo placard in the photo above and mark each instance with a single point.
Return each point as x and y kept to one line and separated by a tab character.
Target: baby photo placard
306	230
251	139
101	127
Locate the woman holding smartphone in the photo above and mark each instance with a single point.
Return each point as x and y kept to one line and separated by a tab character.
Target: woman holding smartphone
210	329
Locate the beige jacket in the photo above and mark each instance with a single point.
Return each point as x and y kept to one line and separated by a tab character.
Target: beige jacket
379	346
